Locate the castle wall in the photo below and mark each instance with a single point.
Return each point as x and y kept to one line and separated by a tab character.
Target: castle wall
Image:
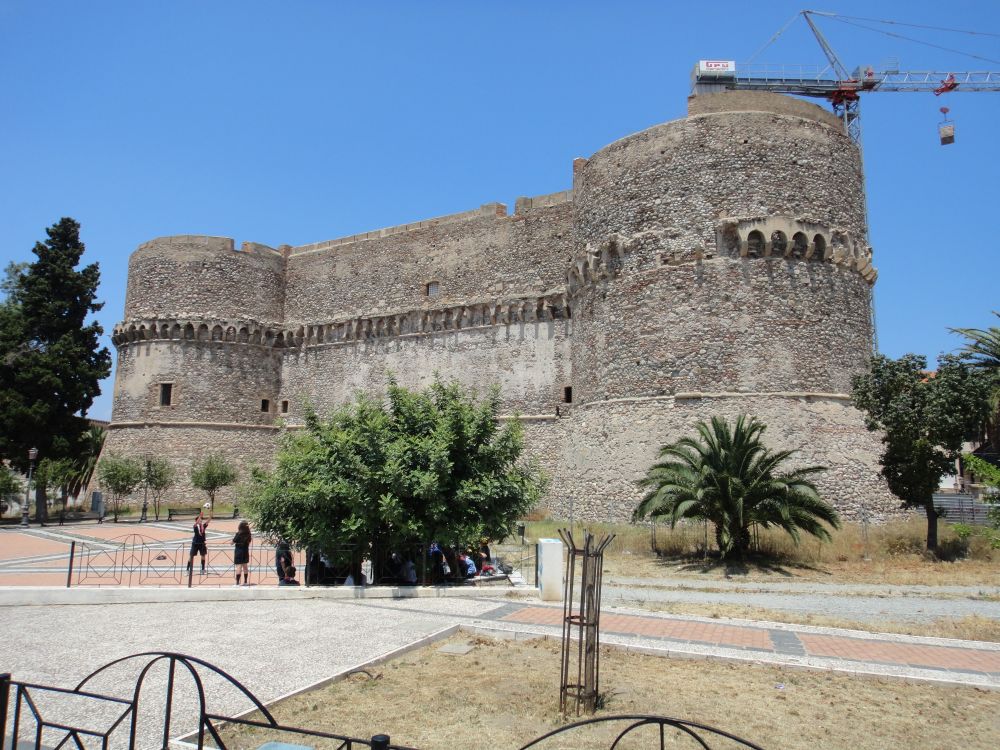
609	446
190	276
183	444
528	359
210	382
722	270
476	256
715	265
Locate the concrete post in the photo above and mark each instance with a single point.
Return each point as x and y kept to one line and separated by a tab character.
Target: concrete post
550	569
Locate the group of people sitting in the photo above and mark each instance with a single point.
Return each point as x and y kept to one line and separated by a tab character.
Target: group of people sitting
443	563
449	564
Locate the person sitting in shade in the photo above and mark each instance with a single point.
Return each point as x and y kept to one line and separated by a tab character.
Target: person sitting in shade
409	573
289	579
468	565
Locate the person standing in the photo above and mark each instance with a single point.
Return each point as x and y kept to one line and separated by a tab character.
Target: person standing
198	545
241	553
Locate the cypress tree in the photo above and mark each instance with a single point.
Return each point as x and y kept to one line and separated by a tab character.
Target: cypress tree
50	361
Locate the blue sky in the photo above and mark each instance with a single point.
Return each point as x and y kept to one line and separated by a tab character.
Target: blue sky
299	121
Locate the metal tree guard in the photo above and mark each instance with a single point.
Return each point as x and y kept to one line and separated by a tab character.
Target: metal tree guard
587	621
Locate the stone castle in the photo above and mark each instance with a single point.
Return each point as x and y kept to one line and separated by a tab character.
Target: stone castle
713	265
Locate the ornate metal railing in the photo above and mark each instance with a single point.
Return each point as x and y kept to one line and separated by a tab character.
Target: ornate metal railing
112	718
137	560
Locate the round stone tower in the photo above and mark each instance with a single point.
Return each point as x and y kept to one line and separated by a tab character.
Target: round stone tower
722	269
199	366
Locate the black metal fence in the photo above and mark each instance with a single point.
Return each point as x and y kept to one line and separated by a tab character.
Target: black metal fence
104	710
138	560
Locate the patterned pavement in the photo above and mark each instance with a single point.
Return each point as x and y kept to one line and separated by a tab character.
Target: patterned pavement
796	643
130	554
154	556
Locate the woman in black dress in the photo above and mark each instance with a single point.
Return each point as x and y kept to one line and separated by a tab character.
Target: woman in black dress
241	553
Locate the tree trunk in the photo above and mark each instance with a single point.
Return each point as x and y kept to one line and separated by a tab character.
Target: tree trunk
41	504
932	526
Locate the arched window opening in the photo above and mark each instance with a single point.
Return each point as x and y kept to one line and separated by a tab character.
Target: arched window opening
779	243
800	244
819	253
755	244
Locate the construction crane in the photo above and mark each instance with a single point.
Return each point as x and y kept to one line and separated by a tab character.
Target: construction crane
832	82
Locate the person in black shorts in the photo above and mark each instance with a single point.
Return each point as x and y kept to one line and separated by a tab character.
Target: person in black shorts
241	553
198	541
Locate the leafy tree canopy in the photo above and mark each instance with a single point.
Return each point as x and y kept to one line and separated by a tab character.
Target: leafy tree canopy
421	465
8	483
118	476
982	347
50	361
158	475
924	418
727	476
211	475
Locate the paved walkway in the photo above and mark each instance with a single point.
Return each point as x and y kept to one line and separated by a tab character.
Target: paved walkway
122	554
33	566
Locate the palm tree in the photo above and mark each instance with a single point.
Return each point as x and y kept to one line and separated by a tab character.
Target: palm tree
91	443
982	350
983	346
729	478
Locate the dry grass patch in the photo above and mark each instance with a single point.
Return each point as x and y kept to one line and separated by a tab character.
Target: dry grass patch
888	554
505	693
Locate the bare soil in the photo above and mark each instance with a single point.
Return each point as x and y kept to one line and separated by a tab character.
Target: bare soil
503	694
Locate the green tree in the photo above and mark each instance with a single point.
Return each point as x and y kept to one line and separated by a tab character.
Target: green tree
924	418
982	351
728	477
158	475
90	444
119	477
982	347
211	475
55	474
9	487
989	475
50	361
395	472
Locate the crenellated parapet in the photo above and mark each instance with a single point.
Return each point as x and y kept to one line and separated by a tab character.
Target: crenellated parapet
595	264
193	330
795	239
535	309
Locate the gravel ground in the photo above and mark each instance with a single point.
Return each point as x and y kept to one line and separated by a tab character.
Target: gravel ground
805	587
812	599
273	647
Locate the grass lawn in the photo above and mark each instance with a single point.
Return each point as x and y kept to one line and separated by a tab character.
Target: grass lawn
504	693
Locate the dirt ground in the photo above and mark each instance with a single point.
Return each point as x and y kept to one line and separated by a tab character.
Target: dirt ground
904	570
503	694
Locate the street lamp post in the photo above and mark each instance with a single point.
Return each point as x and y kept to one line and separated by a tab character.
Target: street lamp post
32	455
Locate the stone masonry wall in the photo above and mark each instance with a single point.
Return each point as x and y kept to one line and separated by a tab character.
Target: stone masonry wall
610	445
183	444
188	276
717	264
529	360
485	256
211	382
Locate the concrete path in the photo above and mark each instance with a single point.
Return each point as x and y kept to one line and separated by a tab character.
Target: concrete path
291	639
